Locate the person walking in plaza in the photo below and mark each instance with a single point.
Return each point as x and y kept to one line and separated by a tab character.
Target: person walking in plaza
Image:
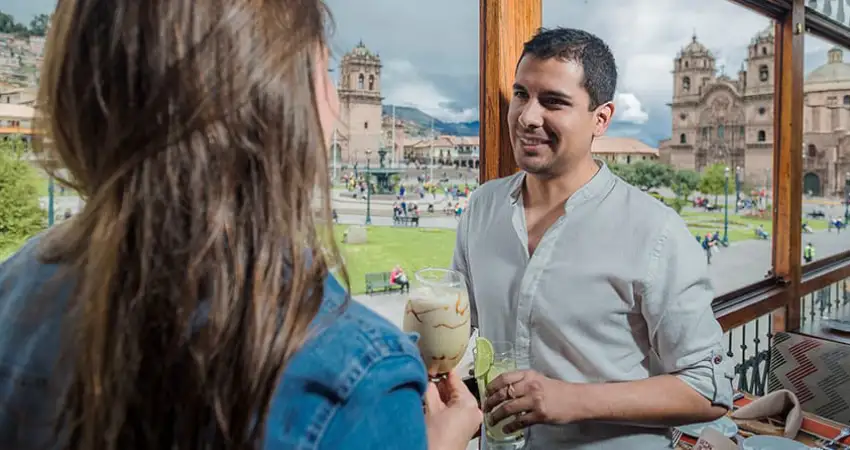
600	288
809	253
190	303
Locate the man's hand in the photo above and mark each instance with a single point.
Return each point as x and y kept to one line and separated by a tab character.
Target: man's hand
531	397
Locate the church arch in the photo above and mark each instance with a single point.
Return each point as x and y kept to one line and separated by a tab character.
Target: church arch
360	81
371	82
811	184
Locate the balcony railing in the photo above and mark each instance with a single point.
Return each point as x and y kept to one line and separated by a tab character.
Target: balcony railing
749	345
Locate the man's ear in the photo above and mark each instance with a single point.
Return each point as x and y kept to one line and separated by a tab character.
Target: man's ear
604	113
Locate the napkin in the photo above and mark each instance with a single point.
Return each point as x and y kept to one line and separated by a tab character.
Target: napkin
782	403
711	439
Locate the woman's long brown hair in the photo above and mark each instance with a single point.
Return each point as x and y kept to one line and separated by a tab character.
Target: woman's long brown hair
191	129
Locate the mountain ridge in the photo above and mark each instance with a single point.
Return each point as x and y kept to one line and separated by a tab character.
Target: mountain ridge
422	122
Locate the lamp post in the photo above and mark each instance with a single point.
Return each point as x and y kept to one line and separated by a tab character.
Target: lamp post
368	188
726	207
51	214
846	197
737	188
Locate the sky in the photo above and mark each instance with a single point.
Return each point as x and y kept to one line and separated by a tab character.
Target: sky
430	48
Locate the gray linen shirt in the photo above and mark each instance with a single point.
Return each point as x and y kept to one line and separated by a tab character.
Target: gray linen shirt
617	290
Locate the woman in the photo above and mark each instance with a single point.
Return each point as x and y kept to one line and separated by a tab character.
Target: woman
188	304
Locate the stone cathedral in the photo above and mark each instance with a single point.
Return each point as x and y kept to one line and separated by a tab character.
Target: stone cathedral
719	119
359	126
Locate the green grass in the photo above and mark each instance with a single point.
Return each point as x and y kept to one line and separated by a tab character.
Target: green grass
412	248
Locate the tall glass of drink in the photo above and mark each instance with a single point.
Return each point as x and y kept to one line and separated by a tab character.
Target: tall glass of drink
438	309
503	360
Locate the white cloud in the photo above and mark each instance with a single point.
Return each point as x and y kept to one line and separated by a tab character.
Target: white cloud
404	86
629	109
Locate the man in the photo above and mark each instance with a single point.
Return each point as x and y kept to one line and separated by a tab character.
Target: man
600	287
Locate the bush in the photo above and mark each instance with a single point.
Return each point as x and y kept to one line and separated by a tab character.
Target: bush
20	214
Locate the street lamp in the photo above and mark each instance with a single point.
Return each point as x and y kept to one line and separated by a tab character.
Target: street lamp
726	208
368	188
846	197
51	214
737	188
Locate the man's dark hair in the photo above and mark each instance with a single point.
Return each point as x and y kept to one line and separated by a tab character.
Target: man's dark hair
583	48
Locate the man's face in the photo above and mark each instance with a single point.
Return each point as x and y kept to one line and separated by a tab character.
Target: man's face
550	121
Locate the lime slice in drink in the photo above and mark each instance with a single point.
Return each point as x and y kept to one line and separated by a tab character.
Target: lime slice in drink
483	357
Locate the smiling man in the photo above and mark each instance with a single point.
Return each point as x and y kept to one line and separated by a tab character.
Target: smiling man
601	288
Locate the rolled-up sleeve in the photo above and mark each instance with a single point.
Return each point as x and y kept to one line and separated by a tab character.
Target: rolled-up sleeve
676	305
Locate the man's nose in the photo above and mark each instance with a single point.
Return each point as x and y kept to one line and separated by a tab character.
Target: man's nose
531	116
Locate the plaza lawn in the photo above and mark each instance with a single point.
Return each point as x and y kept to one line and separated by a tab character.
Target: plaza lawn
412	248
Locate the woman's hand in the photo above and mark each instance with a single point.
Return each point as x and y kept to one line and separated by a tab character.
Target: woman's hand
452	416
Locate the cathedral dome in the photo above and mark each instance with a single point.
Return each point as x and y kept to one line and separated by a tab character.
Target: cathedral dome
695	48
834	70
765	35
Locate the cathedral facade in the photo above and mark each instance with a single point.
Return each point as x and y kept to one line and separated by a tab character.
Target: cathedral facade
719	119
358	134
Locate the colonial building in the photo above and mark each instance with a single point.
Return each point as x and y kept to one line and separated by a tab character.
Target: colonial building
622	150
826	121
460	151
16	122
717	119
360	123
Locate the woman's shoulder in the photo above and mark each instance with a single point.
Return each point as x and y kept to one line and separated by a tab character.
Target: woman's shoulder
347	339
357	381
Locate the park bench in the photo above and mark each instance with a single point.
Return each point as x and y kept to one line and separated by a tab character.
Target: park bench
817	214
379	281
406	221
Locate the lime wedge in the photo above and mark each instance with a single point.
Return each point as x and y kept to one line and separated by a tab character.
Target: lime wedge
483	357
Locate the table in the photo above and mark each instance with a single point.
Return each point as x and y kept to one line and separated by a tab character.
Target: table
814	430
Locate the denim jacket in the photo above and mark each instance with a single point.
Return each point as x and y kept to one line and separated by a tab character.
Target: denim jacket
357	383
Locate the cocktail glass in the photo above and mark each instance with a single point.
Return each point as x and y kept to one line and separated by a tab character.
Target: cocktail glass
504	360
438	310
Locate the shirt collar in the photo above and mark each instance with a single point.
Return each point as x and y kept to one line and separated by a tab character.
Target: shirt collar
598	186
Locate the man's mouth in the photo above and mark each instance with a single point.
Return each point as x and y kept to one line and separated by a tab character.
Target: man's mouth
532	143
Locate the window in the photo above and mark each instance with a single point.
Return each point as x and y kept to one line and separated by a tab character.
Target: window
686	84
764	50
721	130
763	73
762	136
846	100
365	125
360	81
762	111
813	151
742	132
683	139
371	82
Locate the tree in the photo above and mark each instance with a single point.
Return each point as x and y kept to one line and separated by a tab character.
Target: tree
684	182
20	213
713	181
39	25
624	171
650	175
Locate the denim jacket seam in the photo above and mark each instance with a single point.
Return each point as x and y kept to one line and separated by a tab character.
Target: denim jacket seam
374	359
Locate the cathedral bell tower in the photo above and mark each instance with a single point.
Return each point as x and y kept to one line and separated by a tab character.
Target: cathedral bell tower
360	104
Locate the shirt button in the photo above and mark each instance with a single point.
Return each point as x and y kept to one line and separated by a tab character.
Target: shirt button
718	359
